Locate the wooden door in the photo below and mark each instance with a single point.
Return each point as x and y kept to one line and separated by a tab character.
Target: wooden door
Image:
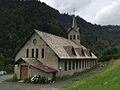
23	72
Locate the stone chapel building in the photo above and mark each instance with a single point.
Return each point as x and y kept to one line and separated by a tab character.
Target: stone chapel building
52	56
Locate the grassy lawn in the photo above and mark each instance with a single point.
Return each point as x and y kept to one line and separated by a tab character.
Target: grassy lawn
107	79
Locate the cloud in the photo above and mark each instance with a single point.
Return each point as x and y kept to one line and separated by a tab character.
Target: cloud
96	11
109	15
67	5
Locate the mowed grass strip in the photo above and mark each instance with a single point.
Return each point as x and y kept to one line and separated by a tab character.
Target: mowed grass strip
107	79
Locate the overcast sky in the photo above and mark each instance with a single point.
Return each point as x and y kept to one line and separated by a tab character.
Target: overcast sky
95	11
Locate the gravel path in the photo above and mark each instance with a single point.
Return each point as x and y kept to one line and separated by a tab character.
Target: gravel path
5	77
25	86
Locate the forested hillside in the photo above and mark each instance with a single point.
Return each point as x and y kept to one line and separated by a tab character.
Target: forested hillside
19	18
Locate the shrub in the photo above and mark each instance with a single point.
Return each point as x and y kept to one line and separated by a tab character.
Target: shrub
110	53
38	79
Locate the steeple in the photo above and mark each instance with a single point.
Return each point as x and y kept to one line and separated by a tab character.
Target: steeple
73	32
74	23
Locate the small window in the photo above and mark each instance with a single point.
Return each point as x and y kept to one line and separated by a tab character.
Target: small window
90	63
74	37
82	63
69	65
79	64
85	63
76	64
78	37
32	53
42	53
27	53
65	66
70	37
37	52
73	65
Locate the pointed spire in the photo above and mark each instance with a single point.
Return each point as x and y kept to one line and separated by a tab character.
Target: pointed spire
74	23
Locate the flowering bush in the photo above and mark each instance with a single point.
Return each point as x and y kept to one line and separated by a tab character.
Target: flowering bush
38	79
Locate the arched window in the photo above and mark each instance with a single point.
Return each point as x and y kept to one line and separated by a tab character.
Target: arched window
37	51
70	37
32	53
27	53
74	37
42	53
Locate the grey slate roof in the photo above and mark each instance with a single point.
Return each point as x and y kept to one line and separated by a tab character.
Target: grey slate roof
57	44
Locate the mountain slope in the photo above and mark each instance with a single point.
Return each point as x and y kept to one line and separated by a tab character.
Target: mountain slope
18	19
108	79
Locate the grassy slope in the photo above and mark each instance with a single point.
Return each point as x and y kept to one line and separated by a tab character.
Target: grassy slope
108	79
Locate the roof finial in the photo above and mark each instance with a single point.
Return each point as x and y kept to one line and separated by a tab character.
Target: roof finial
74	24
74	11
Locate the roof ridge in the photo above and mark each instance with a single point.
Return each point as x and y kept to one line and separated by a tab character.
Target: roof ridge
54	35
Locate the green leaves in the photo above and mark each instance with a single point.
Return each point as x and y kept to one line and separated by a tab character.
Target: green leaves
110	53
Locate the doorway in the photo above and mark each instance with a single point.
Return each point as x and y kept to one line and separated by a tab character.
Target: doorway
23	72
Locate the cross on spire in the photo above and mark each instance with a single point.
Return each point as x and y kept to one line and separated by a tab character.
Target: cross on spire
74	24
74	11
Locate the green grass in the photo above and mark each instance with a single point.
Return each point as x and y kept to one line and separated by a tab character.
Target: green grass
107	79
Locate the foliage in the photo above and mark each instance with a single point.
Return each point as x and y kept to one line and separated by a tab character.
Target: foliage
38	79
6	64
10	68
110	53
108	79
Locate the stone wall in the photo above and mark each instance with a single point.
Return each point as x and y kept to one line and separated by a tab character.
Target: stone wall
50	59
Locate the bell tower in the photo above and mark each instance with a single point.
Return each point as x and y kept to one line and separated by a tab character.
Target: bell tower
73	32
